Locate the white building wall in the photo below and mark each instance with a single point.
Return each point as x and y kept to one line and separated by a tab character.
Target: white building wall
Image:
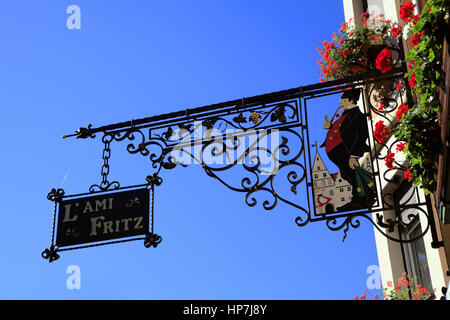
389	252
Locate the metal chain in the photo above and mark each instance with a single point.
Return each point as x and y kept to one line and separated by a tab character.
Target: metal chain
104	185
105	168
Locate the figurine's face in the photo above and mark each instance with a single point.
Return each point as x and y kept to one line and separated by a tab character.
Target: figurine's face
346	103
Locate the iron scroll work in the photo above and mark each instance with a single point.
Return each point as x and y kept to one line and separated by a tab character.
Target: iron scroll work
277	172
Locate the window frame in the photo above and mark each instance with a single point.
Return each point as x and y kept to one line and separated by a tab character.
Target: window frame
409	258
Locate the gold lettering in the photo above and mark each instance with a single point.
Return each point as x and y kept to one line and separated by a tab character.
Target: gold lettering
107	227
125	223
67	214
100	205
87	207
138	222
95	224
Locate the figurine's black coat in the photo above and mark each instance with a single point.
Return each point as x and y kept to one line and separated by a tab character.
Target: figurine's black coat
354	134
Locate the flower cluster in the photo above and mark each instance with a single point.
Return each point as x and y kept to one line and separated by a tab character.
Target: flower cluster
412	81
381	132
407	15
407	174
401	110
389	160
416	38
425	33
329	65
404	289
383	63
348	55
401	146
407	12
356	49
364	296
396	31
383	60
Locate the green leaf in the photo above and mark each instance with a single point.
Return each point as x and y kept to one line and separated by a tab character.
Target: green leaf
422	46
431	55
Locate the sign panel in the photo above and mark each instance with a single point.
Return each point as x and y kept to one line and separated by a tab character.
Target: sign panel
342	172
103	217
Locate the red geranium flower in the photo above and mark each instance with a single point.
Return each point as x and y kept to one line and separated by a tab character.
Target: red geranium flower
404	281
345	53
406	11
424	292
364	18
412	81
389	160
402	109
415	39
396	30
380	108
401	146
399	85
408	174
383	61
381	132
356	68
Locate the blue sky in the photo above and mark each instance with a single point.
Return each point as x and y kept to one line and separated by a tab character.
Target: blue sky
133	59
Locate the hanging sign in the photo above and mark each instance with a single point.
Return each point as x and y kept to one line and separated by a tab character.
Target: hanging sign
103	217
342	170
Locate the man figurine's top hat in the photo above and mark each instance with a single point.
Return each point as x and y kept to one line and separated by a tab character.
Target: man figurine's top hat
352	95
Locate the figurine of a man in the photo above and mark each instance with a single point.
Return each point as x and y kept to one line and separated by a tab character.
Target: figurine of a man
346	142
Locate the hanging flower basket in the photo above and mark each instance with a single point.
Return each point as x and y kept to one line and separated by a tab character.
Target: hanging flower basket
373	47
354	49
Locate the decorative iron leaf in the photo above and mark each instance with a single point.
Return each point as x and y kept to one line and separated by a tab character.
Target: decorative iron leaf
279	115
169	165
186	127
169	133
240	119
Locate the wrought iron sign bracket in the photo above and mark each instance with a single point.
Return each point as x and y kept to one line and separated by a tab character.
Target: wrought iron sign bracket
283	113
